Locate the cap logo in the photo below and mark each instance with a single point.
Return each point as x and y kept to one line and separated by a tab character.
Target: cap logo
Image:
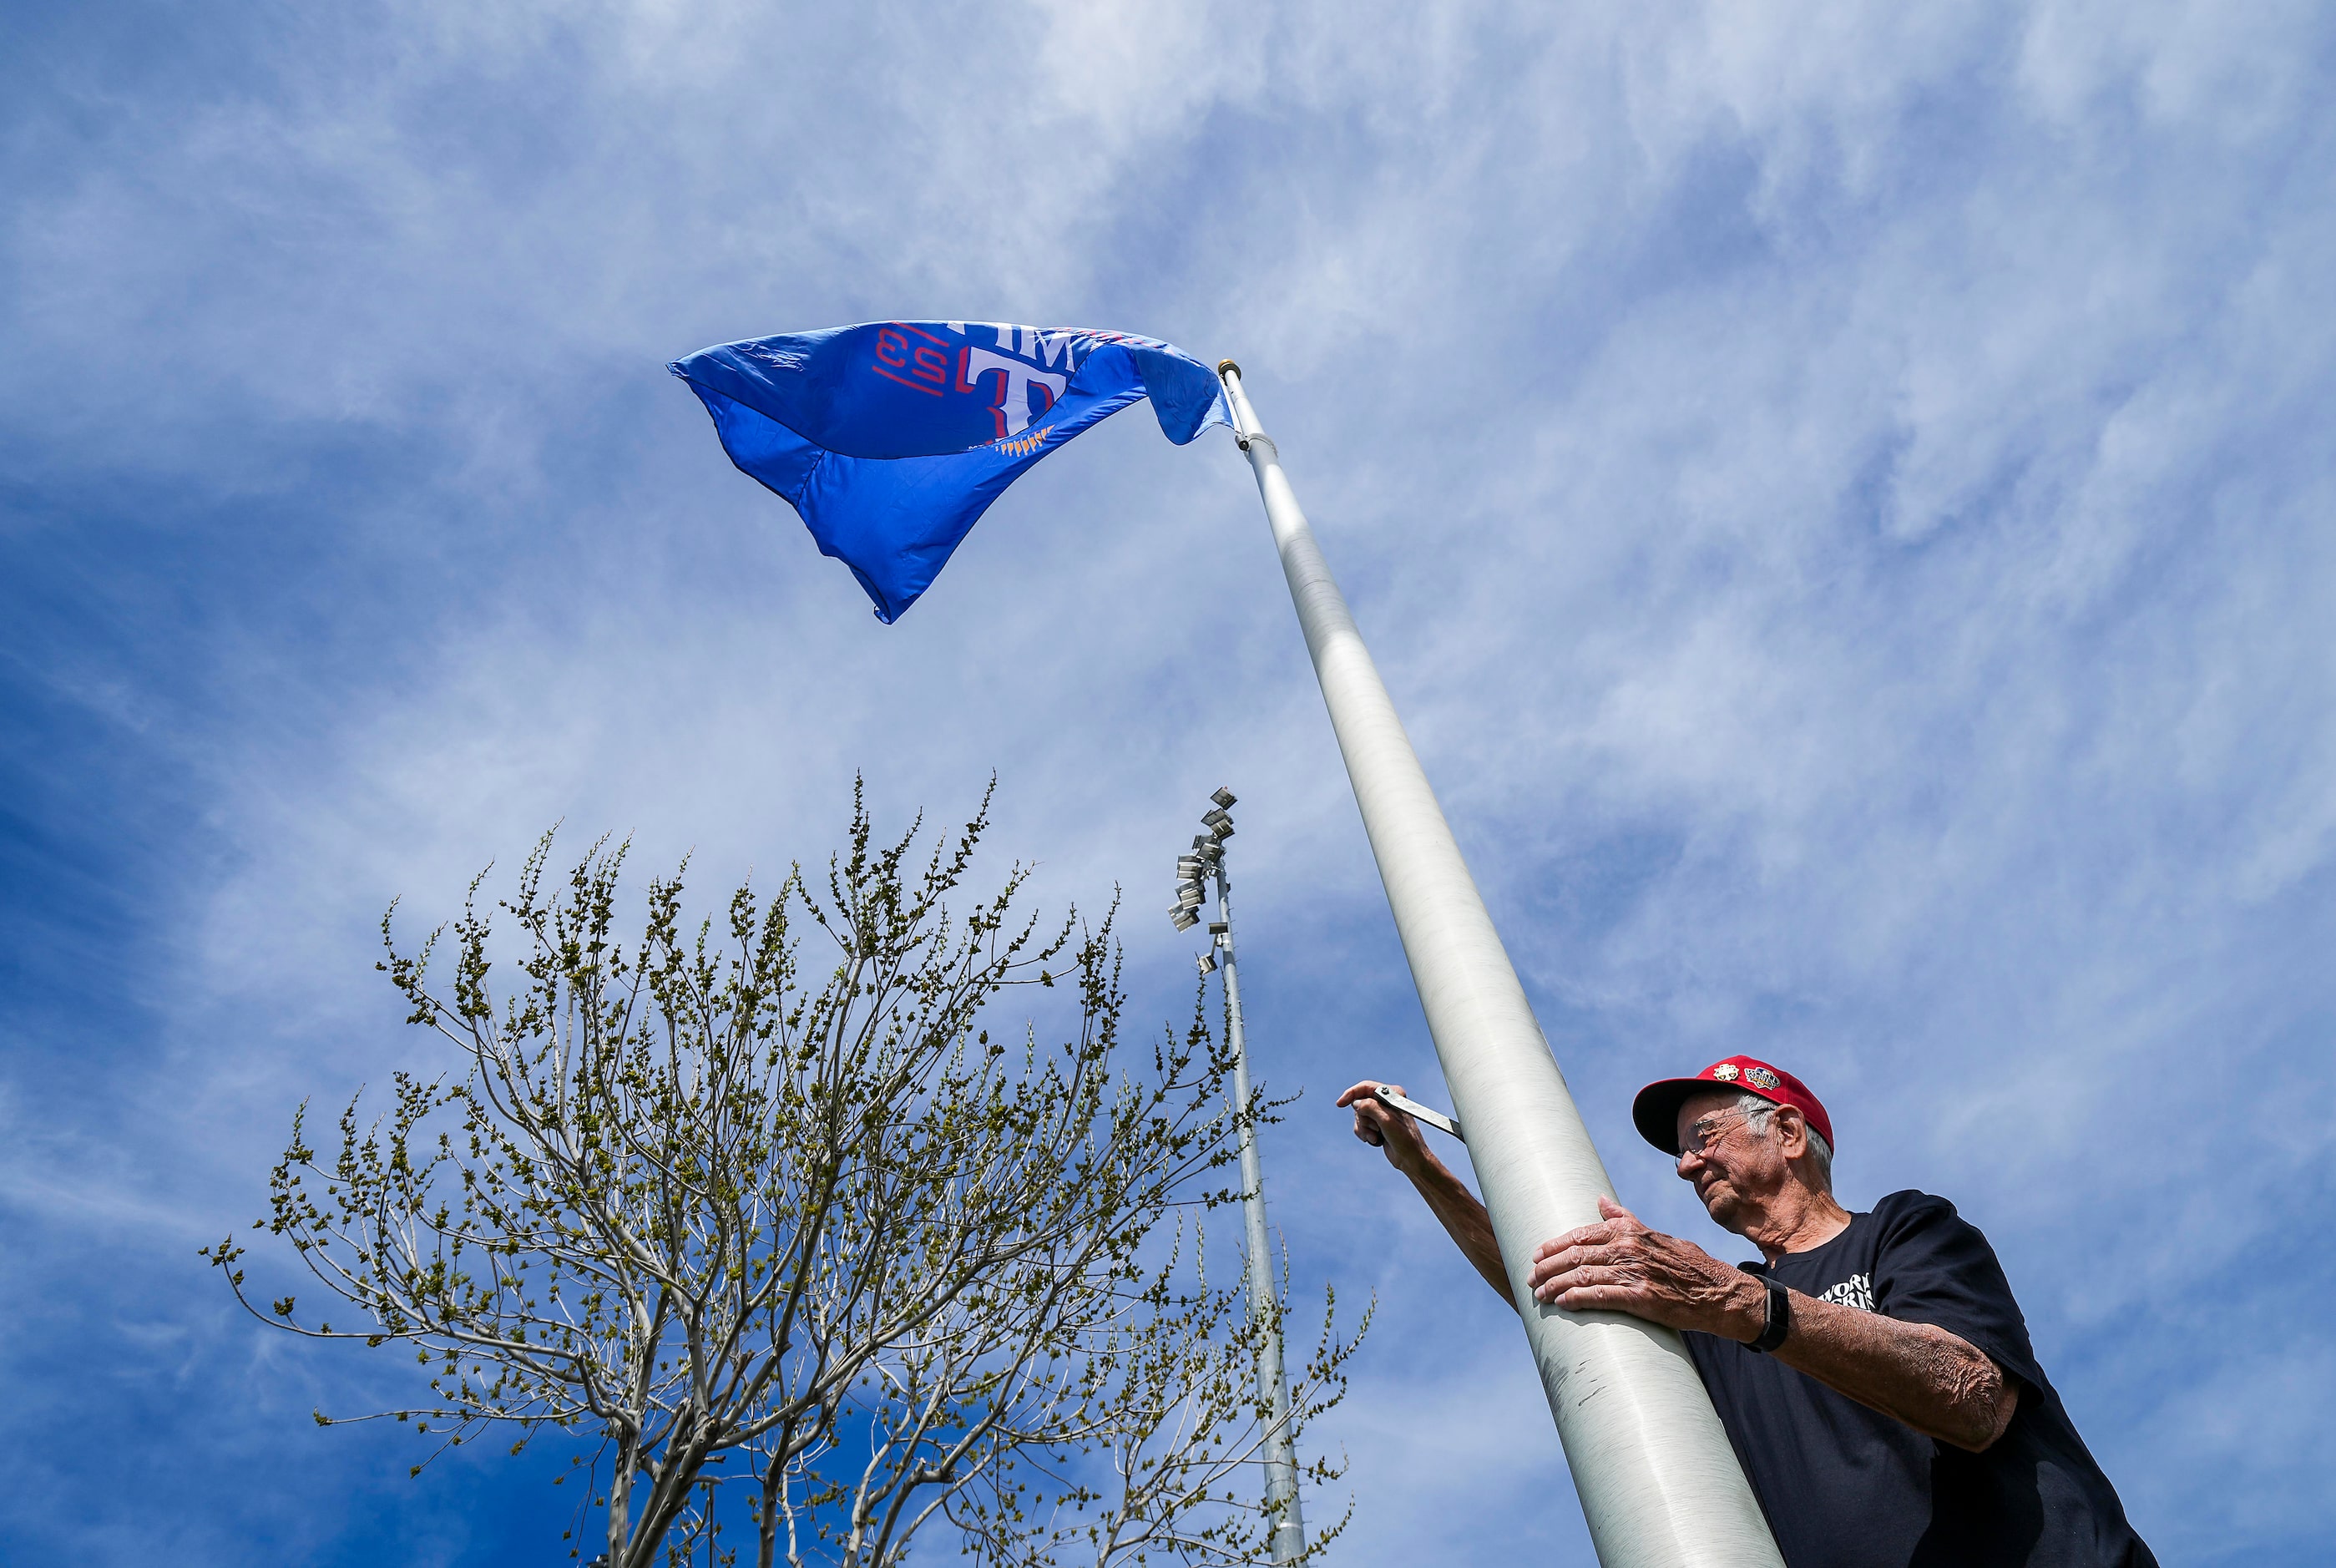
1763	1077
1725	1072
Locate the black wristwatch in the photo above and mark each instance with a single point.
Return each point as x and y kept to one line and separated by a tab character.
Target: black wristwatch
1780	1318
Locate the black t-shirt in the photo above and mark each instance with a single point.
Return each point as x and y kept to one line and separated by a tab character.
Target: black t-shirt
1847	1487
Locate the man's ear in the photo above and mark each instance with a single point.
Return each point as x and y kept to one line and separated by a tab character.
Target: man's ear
1792	1131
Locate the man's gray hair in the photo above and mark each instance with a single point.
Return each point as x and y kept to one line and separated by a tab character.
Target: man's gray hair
1758	1113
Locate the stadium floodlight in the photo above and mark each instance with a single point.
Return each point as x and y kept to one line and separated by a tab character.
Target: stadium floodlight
1194	871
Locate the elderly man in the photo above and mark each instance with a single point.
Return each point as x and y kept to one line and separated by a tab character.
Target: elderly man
1873	1371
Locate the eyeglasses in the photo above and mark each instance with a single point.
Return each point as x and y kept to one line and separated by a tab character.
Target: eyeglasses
1705	1135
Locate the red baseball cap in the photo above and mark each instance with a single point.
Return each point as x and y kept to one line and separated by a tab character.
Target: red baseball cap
1656	1110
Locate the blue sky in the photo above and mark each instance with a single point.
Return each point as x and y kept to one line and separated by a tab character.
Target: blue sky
1841	500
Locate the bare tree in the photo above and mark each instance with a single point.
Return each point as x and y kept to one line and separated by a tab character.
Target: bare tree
1183	1435
702	1206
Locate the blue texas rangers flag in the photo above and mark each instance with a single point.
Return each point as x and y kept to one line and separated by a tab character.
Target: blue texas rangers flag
891	439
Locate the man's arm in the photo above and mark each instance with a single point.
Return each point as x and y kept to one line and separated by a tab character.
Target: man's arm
1453	1204
1936	1382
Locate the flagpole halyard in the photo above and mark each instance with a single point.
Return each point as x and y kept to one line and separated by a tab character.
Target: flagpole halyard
1658	1484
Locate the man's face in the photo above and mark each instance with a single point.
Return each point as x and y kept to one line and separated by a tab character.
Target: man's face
1729	1166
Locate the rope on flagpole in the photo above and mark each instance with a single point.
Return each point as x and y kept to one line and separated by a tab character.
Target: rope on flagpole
1658	1484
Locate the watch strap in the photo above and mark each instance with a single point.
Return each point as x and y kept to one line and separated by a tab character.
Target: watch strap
1780	1318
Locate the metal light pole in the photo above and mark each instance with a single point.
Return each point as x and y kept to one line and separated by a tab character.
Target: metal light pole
1659	1487
1194	871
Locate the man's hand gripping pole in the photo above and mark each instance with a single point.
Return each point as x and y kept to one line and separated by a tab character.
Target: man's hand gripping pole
1416	1111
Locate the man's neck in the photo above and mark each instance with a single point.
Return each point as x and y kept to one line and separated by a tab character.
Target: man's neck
1794	1220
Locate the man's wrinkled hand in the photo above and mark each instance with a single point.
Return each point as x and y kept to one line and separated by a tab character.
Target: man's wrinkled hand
1619	1265
1384	1127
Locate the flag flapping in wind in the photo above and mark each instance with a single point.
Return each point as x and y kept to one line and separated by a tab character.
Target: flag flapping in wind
891	439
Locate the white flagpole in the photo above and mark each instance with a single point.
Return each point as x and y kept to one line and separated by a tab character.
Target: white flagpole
1658	1484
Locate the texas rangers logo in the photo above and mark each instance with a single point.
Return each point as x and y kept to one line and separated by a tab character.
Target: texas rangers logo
1020	379
1763	1077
